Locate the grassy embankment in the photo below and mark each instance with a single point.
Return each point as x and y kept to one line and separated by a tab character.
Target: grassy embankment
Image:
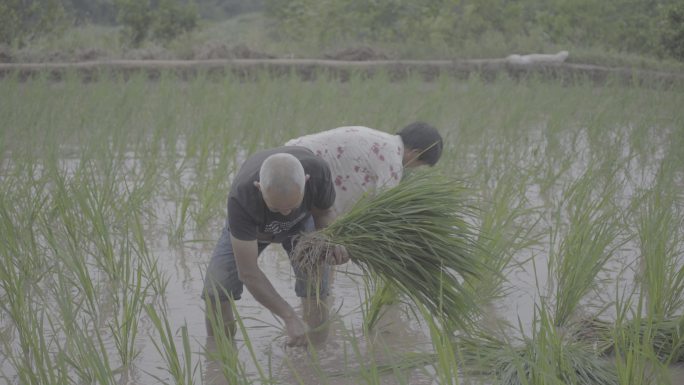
254	31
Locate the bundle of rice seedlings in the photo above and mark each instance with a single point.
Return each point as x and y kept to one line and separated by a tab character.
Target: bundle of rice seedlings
666	336
417	236
668	339
534	361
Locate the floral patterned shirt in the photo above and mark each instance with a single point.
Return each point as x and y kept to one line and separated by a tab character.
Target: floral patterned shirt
362	160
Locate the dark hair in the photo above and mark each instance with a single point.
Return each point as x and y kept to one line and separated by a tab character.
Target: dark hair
425	138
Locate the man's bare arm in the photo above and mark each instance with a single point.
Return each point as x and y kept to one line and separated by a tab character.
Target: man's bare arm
246	253
323	218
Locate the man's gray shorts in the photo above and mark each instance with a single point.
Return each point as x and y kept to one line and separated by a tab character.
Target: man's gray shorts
222	279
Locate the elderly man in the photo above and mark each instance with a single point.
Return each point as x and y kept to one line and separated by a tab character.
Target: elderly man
363	160
275	195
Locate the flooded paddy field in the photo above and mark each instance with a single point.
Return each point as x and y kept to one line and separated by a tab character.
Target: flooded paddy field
113	194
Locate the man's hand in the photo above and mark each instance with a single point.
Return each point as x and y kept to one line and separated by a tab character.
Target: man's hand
322	218
296	331
257	283
338	255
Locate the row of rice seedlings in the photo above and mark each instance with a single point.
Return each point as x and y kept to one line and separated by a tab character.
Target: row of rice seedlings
647	335
177	223
26	295
180	364
197	92
33	362
125	298
89	195
128	274
593	237
225	351
659	220
83	352
61	235
245	104
66	241
97	204
546	357
641	347
128	300
585	234
631	343
29	359
211	194
507	225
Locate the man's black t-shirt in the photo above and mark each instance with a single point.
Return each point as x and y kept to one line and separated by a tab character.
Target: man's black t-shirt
248	216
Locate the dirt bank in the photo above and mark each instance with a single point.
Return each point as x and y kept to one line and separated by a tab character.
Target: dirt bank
309	69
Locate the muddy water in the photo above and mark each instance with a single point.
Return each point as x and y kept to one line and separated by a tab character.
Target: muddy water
340	359
340	356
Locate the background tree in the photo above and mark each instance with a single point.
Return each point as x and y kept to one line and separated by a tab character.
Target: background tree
91	11
22	20
639	26
162	20
672	35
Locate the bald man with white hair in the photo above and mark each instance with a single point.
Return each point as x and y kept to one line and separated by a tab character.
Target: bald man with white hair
276	195
281	182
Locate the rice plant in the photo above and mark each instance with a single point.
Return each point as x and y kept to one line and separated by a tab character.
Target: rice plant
179	362
129	299
225	350
659	221
507	225
546	357
591	239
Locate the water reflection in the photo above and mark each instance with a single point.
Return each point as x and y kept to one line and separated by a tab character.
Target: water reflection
339	352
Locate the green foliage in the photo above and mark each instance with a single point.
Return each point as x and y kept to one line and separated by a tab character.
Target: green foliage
223	9
22	20
91	11
351	19
547	357
162	20
672	37
172	19
135	16
105	11
623	25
